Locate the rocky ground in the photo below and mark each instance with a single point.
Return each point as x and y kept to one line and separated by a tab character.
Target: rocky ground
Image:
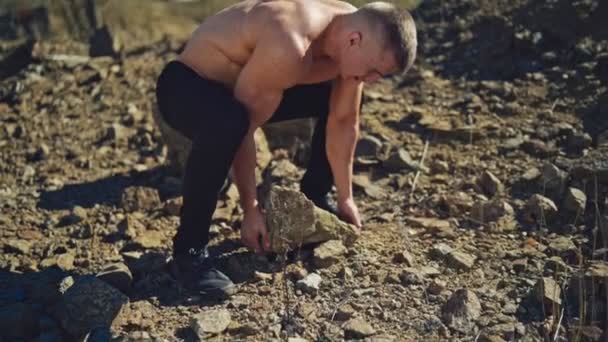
481	175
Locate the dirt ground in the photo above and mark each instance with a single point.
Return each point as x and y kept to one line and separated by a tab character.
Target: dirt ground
481	176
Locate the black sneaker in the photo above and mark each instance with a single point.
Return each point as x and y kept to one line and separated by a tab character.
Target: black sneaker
324	202
196	272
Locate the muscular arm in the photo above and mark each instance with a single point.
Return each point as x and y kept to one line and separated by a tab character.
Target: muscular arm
342	133
273	66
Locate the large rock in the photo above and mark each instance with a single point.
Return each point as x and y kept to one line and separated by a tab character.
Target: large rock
293	220
178	145
88	304
461	311
18	321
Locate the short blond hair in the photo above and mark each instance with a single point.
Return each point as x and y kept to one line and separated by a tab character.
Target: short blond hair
399	31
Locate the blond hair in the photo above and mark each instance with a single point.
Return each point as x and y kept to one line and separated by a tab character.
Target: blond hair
398	28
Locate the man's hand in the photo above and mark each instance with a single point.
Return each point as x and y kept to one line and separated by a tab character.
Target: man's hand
253	231
349	212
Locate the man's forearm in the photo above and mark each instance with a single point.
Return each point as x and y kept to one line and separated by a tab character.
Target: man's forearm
244	172
340	147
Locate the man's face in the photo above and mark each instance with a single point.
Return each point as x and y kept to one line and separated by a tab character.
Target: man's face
365	58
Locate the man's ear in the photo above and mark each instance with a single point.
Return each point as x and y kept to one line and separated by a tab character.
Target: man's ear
354	38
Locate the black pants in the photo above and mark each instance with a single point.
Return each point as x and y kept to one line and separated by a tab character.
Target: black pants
207	112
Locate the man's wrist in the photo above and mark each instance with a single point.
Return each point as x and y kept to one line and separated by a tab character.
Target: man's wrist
249	206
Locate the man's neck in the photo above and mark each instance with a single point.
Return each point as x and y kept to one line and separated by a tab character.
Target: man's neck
326	46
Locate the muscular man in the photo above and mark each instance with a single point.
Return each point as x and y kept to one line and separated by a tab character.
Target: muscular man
264	61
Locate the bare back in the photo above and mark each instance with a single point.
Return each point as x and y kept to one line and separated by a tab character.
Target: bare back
223	44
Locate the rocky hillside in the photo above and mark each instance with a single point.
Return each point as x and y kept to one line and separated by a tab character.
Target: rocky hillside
482	177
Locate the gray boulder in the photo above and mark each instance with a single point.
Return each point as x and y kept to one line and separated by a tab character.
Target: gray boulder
293	220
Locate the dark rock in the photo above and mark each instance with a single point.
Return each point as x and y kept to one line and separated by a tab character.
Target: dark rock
117	275
18	321
88	304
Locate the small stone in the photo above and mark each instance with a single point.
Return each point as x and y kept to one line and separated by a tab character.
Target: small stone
149	239
490	184
130	227
310	283
520	265
173	206
548	293
538	148
491	211
562	245
440	250
210	322
372	190
575	201
18	246
296	271
42	152
411	276
79	212
438	227
404	257
65	284
461	311
329	253
461	260
65	261
553	180
357	328
368	146
117	275
281	169
344	312
346	273
437	286
531	174
117	132
540	209
440	166
401	160
139	198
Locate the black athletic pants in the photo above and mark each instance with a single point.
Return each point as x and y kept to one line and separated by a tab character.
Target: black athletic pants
207	112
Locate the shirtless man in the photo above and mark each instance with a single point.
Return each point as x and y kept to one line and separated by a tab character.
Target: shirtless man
264	61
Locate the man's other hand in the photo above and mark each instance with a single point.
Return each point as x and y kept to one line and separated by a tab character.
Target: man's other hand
253	231
349	212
